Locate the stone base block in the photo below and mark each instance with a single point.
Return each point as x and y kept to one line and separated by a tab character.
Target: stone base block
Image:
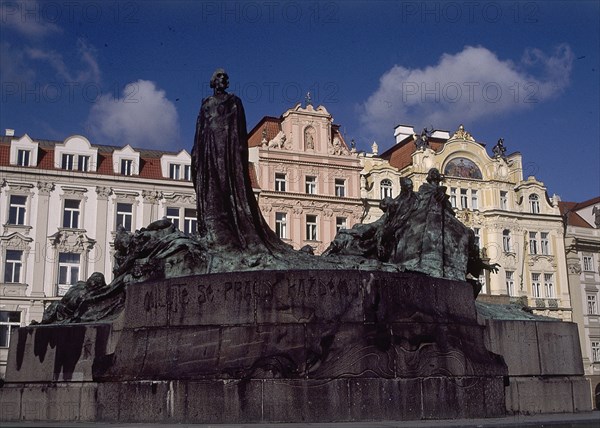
532	395
255	400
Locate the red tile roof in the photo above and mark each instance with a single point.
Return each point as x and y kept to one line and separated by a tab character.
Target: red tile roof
150	166
273	126
253	176
400	155
569	209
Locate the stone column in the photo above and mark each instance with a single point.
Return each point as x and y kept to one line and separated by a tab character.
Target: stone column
42	269
41	237
102	262
150	206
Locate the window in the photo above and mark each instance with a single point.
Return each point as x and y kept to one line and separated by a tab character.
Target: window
386	189
173	216
190	221
175	171
68	271
311	185
536	287
124	215
596	352
533	248
311	227
474	200
464	200
506	244
534	204
588	264
476	231
279	182
71	214
23	157
16	210
544	243
68	161
13	266
9	321
340	223
83	163
503	200
127	166
453	197
510	283
281	225
340	187
187	172
549	285
592	306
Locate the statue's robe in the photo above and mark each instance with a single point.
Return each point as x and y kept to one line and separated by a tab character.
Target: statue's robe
432	240
228	214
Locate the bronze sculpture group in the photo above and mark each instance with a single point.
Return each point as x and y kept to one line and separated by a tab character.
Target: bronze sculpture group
417	233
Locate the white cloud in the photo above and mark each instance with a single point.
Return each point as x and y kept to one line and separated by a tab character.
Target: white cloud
87	54
143	117
464	87
29	18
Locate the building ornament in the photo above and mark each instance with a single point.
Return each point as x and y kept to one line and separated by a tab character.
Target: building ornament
151	196
338	148
461	134
575	268
20	187
45	188
125	195
73	191
103	192
71	241
181	198
16	241
279	142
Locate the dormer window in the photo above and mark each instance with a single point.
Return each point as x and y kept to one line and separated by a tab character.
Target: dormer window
23	157
127	166
534	204
175	171
75	154
68	160
23	151
83	163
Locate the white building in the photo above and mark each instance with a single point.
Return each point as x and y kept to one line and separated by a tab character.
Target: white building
582	242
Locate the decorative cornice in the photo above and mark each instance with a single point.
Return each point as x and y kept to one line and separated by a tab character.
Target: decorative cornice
73	191
181	198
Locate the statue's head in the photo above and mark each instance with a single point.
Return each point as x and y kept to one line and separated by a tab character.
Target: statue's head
219	80
434	176
406	184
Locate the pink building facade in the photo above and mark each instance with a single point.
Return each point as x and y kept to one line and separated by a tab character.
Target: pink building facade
307	178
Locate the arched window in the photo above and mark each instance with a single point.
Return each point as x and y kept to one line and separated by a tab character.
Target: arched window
506	244
534	204
386	189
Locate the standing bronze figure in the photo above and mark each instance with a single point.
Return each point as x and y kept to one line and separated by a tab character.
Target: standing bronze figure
228	214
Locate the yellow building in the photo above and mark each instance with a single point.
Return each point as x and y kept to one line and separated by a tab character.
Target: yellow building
515	222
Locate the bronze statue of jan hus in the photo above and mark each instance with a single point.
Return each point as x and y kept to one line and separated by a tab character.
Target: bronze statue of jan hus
228	214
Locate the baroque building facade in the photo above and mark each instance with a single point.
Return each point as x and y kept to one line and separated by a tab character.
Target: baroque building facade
309	179
582	243
61	203
516	224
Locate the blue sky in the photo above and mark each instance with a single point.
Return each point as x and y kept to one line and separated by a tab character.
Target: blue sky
135	72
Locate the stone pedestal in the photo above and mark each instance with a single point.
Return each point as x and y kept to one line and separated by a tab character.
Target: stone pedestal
267	346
